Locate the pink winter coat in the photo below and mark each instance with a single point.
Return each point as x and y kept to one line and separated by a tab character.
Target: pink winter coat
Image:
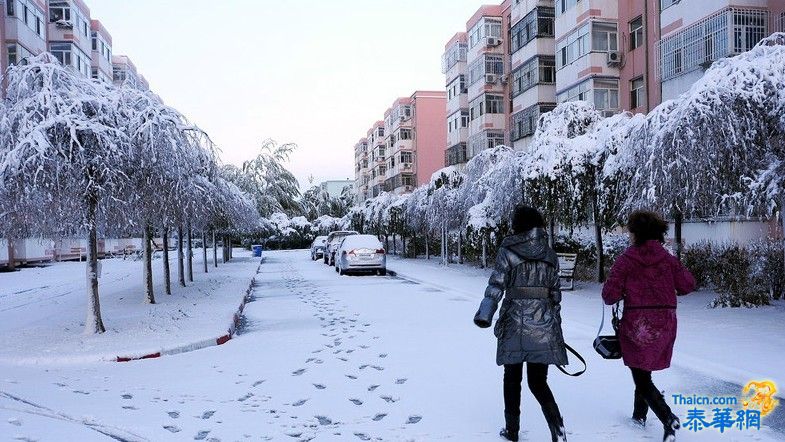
647	278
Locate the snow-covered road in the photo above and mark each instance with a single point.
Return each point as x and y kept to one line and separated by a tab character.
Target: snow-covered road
325	357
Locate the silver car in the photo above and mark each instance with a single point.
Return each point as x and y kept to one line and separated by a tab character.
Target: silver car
333	240
361	253
317	247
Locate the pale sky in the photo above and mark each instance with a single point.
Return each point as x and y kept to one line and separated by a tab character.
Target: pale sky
316	73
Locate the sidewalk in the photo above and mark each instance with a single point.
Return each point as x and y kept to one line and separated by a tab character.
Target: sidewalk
42	310
735	345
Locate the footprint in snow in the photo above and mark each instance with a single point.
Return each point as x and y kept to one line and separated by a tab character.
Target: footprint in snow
172	429
245	397
373	387
389	399
351	376
258	383
300	402
377	368
356	401
208	414
379	417
324	420
86	393
383	355
344	359
294	435
401	381
202	435
362	436
319	386
363	367
173	414
129	407
15	422
298	372
414	419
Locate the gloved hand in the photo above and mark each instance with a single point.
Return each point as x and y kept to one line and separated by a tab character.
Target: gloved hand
484	316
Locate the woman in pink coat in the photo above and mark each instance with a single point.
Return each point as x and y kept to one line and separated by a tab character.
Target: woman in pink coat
648	278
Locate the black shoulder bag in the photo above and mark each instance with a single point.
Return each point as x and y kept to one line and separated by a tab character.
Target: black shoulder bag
608	345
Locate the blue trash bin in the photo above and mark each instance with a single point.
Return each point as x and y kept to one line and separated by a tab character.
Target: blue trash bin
257	251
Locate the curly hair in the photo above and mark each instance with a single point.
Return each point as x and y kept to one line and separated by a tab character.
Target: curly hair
647	226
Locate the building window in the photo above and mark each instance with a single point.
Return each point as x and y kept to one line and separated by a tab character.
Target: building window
12	57
455	155
604	37
748	30
484	140
606	95
70	55
636	33
405	134
486	104
486	27
575	46
59	11
538	70
664	4
9	8
637	93
537	23
524	123
564	5
456	87
453	56
487	64
406	158
28	13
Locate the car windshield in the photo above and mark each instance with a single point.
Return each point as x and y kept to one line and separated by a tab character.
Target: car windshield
361	242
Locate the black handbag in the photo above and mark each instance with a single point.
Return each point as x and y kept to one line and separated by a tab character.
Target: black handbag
608	345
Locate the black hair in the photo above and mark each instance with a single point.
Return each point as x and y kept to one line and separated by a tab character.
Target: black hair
647	226
526	218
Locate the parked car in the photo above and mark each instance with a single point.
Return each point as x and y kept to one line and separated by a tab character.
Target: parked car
361	253
333	240
317	247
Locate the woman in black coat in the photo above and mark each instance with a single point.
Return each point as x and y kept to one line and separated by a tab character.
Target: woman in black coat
526	276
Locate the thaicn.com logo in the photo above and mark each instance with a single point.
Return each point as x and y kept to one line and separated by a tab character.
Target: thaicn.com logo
729	413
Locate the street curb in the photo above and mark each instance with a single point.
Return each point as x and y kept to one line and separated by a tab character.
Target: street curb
212	342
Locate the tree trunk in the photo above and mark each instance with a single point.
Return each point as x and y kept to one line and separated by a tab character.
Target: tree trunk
678	219
94	324
395	245
149	297
180	258
551	232
204	250
215	251
460	248
414	245
167	271
225	250
598	241
190	255
11	257
484	251
427	247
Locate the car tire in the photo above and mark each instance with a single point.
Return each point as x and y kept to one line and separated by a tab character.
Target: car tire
336	270
382	272
341	272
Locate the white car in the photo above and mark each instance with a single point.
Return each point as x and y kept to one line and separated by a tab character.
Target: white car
333	240
317	247
361	253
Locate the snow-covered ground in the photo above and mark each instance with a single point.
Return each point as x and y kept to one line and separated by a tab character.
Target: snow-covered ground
42	310
326	357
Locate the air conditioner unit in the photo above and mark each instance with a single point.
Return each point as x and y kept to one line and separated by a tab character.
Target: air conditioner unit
503	79
407	165
408	188
403	117
491	78
614	58
493	41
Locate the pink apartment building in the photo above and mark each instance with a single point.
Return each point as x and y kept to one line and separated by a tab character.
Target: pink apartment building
405	149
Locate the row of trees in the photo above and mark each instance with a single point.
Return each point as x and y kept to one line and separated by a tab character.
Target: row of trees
719	149
81	158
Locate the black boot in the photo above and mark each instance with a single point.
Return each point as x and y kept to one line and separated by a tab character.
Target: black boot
555	422
512	426
640	409
660	407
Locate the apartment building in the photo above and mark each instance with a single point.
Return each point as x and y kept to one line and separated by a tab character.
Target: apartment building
487	66
101	68
454	68
69	34
402	151
532	75
694	35
335	188
23	30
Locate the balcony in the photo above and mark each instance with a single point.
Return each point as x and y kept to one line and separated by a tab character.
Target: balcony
456	54
455	155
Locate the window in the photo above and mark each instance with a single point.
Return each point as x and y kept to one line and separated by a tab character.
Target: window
455	155
59	11
453	56
636	33
606	94
538	70
537	23
95	41
9	8
564	5
637	93
578	92
456	87
406	158
27	12
748	30
524	123
405	134
70	55
604	37
667	4
486	104
484	140
487	64
12	57
575	46
486	27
